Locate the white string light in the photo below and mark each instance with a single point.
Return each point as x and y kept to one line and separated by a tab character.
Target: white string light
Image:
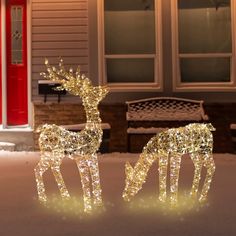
194	139
56	142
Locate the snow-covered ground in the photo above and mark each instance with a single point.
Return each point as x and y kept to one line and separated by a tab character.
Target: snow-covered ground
22	215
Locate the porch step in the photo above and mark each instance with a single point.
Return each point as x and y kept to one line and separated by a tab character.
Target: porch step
6	146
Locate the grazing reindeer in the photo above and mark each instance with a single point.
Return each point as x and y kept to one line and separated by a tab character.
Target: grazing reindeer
55	141
194	139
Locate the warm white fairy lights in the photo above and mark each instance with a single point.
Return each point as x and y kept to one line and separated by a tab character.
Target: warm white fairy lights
194	139
56	142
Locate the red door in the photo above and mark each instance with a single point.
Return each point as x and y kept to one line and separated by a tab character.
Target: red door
17	100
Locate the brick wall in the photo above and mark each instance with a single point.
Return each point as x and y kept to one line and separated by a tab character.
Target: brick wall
67	114
221	115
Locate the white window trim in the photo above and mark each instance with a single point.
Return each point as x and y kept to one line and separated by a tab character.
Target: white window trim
4	125
179	86
157	85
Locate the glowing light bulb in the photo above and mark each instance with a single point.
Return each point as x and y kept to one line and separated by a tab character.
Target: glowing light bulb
194	139
55	142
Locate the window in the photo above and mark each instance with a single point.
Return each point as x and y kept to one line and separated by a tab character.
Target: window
202	40
16	34
130	42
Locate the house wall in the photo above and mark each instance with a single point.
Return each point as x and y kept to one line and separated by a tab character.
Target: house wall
59	29
70	29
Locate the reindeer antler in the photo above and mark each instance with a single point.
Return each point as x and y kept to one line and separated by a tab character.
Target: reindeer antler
70	81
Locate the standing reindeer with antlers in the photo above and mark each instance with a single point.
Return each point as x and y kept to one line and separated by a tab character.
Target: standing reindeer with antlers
55	142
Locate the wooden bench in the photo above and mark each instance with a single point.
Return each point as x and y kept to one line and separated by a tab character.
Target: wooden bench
152	115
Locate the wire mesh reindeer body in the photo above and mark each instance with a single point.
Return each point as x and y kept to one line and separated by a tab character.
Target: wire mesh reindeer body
56	142
194	139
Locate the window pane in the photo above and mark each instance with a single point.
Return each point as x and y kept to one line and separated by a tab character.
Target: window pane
129	26
204	26
130	70
205	69
19	14
16	35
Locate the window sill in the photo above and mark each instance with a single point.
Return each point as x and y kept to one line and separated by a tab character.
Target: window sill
135	87
205	87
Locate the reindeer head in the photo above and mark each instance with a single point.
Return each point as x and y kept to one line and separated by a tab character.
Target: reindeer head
132	183
75	84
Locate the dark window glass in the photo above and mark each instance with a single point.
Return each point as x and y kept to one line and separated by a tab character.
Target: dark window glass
204	26
130	70
129	27
205	69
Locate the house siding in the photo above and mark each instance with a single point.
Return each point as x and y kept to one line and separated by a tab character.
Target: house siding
59	29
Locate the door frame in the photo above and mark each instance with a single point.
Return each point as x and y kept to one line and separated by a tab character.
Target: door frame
4	66
1	63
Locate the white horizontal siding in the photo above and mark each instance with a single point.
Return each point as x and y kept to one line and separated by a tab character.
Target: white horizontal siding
59	45
69	60
40	68
55	53
59	29
63	37
60	22
59	14
53	1
55	5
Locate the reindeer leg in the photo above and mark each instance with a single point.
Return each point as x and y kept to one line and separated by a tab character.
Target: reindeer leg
210	165
83	167
94	171
175	162
39	170
55	167
163	162
197	161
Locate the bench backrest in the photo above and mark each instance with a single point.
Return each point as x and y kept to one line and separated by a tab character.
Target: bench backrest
165	108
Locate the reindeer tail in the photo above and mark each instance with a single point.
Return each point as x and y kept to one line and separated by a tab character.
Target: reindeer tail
210	127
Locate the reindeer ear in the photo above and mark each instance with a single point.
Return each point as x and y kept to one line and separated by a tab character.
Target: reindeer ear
128	169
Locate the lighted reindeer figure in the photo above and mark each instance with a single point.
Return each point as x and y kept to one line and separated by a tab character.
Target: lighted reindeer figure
56	142
194	139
